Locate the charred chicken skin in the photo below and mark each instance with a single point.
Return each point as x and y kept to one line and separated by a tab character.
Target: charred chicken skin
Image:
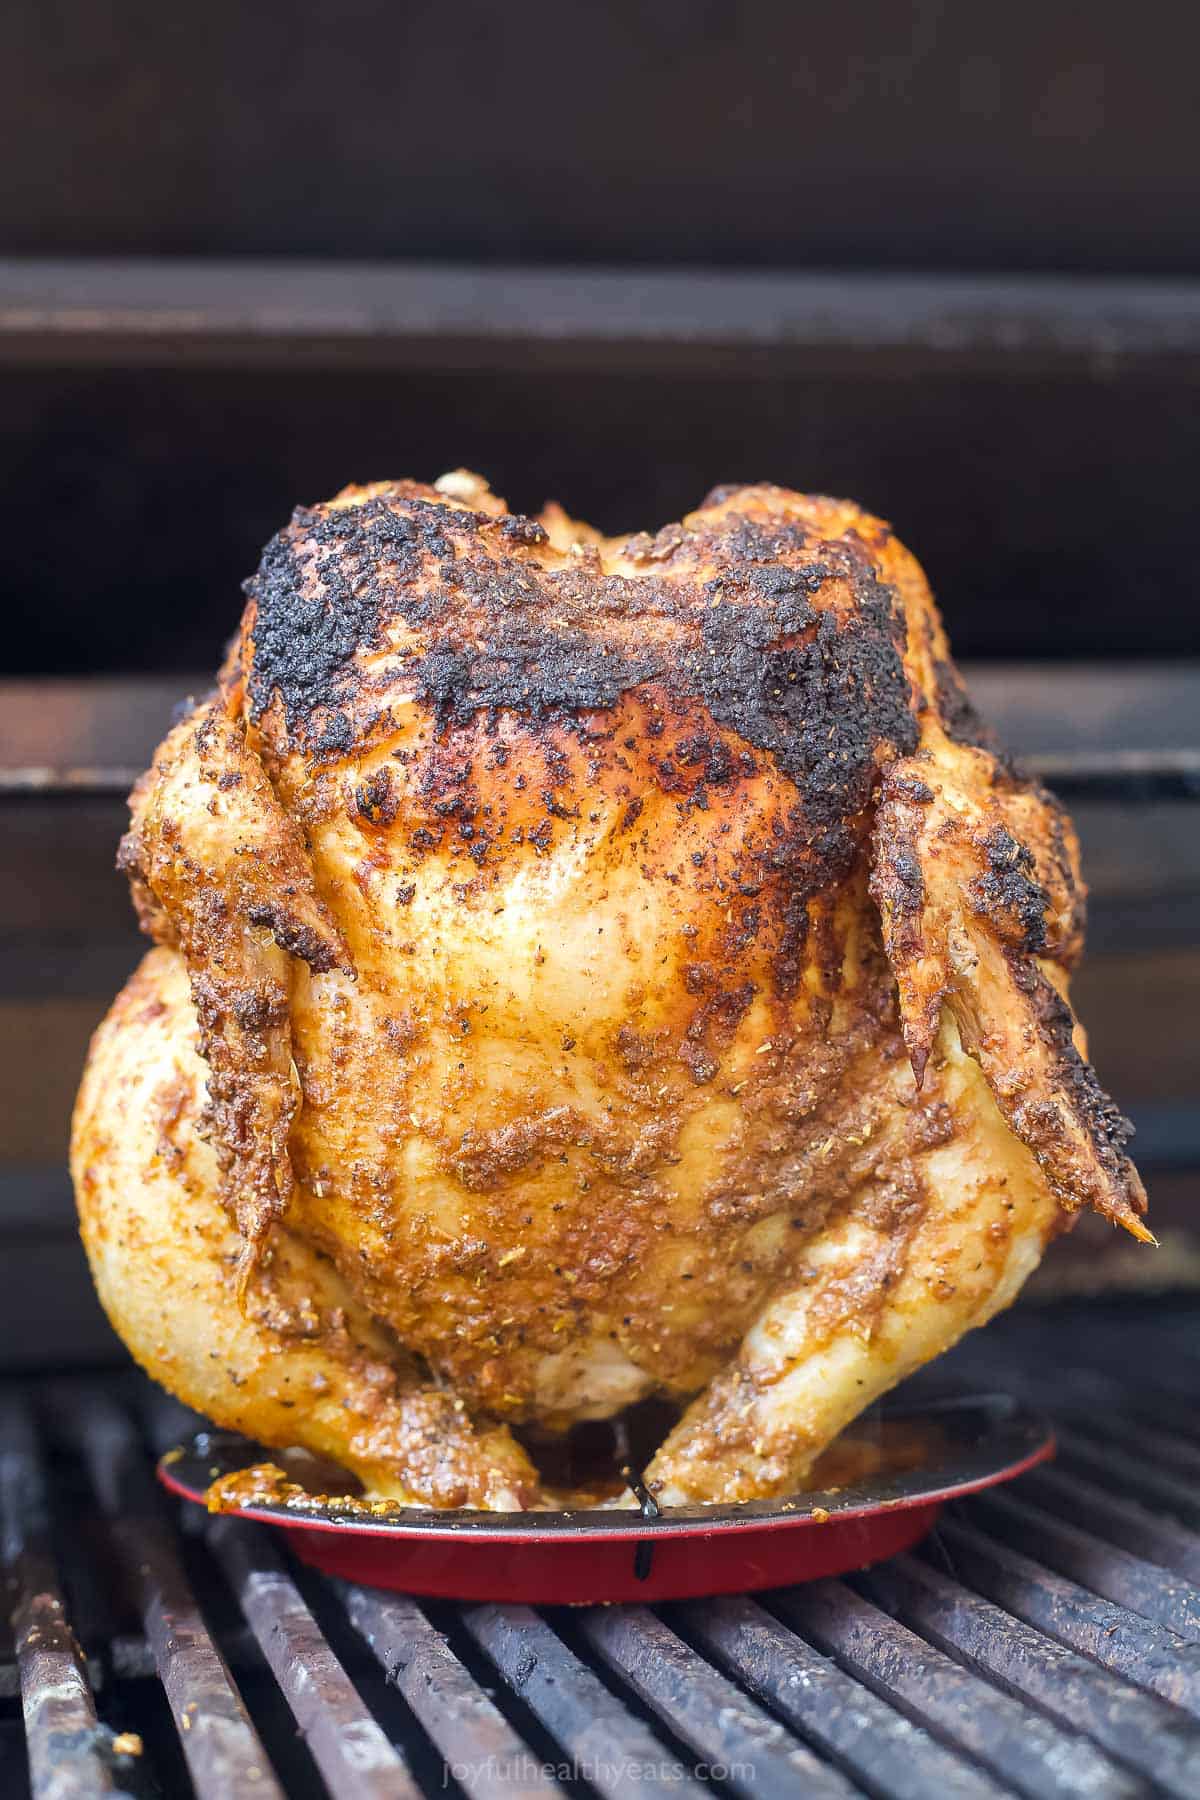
585	970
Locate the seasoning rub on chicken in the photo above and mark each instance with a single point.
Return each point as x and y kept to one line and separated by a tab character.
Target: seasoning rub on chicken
584	970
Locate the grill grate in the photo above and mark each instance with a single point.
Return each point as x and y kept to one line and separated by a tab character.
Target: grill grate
1046	1642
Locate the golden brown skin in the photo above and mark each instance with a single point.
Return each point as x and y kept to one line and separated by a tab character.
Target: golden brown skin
617	969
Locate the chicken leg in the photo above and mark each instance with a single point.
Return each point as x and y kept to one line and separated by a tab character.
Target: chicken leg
949	1217
297	1360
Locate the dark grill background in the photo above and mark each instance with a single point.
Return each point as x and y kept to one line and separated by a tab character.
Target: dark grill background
643	131
1034	438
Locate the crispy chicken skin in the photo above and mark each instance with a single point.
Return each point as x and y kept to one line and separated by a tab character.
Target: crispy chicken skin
586	970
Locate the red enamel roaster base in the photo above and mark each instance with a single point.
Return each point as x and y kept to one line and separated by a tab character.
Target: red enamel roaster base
590	1556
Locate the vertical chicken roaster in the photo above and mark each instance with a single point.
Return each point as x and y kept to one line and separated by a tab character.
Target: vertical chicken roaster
584	970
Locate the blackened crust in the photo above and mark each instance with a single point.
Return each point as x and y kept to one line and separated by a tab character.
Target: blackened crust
792	644
959	715
295	937
1009	893
1039	1121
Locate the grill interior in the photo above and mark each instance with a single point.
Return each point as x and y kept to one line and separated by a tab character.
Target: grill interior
1045	1641
711	291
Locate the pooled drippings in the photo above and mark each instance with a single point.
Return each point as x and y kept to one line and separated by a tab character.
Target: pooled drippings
870	1449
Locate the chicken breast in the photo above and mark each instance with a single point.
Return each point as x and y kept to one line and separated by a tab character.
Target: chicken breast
587	970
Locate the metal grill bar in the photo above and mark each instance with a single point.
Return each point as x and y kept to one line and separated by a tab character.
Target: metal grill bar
246	311
1110	1463
486	1755
1144	1653
597	1730
704	1709
222	1748
878	1746
348	1746
1026	1751
1159	1448
1046	1643
1138	1586
70	1754
1137	1728
1120	1520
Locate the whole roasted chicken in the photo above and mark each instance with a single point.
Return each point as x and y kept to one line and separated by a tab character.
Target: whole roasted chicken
585	970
